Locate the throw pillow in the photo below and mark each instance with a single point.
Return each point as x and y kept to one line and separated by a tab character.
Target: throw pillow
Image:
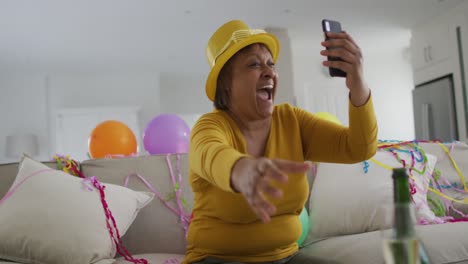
53	217
347	200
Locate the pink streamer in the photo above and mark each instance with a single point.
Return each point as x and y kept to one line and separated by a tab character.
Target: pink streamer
459	220
115	236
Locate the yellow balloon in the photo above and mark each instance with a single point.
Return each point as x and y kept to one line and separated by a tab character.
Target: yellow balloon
328	116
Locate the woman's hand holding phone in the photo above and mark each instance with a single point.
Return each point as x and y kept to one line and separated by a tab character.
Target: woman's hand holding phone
341	45
332	26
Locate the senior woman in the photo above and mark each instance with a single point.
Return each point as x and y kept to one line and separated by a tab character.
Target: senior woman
248	157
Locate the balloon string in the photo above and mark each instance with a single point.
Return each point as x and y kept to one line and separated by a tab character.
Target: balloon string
178	189
177	183
151	188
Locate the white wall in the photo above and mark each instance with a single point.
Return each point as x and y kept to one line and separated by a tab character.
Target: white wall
23	109
31	99
107	89
389	74
387	71
28	99
284	66
91	89
184	94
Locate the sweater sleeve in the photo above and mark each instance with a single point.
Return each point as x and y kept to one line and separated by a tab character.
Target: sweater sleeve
212	151
327	141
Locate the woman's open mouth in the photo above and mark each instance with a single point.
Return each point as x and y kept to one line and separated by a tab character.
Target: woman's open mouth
265	93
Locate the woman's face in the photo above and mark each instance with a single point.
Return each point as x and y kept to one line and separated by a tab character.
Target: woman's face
253	83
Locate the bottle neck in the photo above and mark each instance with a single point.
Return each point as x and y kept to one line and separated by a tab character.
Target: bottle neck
403	221
401	193
402	205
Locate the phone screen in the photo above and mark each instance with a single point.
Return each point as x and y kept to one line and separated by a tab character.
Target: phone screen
332	26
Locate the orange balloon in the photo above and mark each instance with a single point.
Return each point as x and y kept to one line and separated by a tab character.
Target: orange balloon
111	138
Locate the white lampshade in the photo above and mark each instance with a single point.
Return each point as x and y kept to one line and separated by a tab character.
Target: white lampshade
17	145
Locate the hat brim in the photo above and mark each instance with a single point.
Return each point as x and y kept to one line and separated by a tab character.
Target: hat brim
267	39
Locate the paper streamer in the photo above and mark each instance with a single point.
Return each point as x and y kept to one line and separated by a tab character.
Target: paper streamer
418	155
110	222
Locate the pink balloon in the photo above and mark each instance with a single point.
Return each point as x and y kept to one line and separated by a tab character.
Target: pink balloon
166	134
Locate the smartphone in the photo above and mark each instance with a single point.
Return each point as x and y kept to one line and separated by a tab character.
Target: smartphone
332	26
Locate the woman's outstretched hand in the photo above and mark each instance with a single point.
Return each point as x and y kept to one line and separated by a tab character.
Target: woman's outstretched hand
253	178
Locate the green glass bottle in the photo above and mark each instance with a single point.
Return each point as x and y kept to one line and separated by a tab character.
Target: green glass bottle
403	247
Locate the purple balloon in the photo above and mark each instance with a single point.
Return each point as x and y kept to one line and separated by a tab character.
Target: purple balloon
166	134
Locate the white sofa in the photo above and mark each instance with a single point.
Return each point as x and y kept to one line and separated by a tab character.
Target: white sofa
343	208
345	203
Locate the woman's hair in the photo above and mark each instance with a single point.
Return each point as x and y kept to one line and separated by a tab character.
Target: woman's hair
223	84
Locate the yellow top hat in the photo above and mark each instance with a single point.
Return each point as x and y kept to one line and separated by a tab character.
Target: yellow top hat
227	41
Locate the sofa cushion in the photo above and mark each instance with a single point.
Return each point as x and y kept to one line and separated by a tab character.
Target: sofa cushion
347	200
157	258
48	216
156	228
445	243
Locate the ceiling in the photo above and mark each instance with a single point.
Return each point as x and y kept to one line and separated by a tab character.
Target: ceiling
169	35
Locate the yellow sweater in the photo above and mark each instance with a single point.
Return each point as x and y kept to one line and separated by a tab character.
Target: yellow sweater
223	224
